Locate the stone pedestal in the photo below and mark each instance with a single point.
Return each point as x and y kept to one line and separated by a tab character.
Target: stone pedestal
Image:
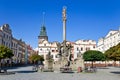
48	65
80	63
64	61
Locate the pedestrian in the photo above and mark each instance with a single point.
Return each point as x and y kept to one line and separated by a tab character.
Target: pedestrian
41	68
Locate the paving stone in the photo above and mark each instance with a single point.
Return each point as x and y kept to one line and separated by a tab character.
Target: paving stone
26	73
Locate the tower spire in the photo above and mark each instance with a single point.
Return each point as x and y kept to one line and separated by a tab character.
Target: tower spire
43	18
43	32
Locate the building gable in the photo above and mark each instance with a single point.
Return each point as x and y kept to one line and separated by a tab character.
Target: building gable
111	33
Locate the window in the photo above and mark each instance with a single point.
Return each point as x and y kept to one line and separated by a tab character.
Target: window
9	45
51	56
53	50
93	46
6	44
84	40
47	49
3	42
44	44
81	49
56	56
12	44
9	38
77	49
16	46
4	35
110	34
87	48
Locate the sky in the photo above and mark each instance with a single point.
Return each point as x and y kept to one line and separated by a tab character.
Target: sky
86	19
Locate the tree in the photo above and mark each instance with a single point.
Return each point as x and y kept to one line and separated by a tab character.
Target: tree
5	52
113	53
35	58
93	55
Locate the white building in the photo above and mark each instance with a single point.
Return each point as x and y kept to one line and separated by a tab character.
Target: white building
83	45
110	40
45	47
6	35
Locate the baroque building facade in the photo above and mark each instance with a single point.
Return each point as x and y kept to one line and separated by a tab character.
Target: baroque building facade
81	46
6	36
18	47
110	40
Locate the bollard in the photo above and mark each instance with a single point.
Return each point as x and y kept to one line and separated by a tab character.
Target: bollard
79	69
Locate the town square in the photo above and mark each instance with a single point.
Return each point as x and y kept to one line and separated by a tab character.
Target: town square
59	40
26	73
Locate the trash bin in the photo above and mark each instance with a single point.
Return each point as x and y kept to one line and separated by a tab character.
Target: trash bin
79	69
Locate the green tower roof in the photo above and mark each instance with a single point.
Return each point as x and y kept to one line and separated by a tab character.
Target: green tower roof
43	31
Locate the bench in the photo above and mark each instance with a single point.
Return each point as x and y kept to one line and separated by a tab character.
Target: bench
35	68
66	70
90	69
3	71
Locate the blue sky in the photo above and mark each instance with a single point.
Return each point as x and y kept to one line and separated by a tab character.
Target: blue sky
86	19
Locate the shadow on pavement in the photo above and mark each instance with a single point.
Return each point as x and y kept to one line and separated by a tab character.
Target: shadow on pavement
102	68
116	72
25	71
17	67
7	73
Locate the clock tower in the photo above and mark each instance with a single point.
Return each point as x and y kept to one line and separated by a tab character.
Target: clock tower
43	33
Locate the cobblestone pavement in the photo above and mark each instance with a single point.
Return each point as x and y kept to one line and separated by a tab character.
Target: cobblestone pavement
26	73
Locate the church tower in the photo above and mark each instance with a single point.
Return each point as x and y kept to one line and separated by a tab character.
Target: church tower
43	33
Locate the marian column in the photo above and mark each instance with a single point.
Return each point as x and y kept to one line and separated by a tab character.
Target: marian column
64	23
64	31
64	47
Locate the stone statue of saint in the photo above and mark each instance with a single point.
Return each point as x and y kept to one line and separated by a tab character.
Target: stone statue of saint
64	13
